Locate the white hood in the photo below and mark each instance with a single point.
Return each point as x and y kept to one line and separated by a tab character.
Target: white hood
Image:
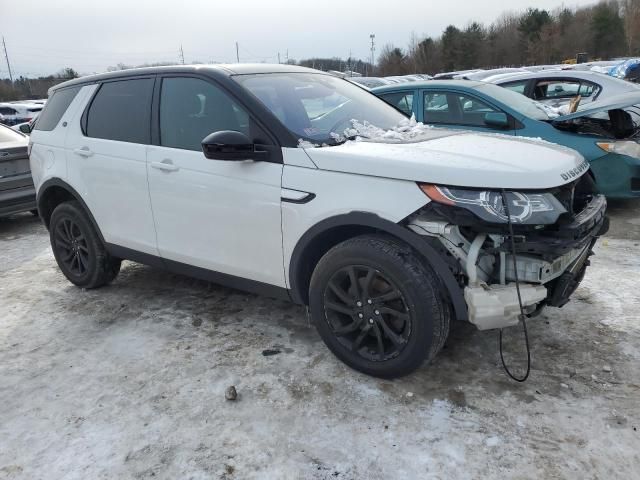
463	159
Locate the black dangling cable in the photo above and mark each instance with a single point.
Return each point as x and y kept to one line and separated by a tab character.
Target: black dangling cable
522	314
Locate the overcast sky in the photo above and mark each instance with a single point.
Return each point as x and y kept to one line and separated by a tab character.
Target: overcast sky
43	36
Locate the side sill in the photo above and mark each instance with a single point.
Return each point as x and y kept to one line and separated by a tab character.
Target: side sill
219	278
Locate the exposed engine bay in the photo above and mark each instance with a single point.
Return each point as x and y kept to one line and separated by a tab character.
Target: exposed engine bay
551	256
615	124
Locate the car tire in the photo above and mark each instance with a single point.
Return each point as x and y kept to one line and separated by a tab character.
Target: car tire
378	306
78	249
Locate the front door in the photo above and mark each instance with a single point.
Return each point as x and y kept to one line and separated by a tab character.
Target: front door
218	215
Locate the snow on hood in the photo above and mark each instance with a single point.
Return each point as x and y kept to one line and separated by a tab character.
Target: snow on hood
416	152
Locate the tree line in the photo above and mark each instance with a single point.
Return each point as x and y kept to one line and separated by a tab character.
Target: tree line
606	30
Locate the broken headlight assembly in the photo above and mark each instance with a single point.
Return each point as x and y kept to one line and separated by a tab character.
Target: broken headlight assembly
622	147
525	208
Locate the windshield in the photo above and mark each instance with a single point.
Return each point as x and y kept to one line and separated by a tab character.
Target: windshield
516	101
318	108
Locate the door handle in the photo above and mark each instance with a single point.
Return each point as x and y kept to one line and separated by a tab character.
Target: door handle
165	165
83	152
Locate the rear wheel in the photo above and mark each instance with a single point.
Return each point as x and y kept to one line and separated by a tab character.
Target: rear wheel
78	250
378	307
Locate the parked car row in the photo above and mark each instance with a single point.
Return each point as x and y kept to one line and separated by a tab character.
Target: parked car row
605	132
13	113
387	229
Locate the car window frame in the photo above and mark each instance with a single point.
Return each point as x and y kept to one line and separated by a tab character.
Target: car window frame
413	92
580	81
514	124
274	147
85	114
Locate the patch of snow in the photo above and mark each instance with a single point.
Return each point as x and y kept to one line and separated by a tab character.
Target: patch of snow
493	441
306	144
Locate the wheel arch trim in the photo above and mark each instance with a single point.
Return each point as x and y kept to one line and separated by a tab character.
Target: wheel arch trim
372	221
57	182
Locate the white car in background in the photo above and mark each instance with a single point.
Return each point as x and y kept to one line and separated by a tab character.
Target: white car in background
14	112
557	88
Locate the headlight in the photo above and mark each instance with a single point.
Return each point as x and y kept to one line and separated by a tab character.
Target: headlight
632	149
525	208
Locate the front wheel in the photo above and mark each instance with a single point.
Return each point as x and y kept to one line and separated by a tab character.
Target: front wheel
378	306
80	253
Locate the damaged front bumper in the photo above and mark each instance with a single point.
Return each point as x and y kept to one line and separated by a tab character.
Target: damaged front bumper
550	263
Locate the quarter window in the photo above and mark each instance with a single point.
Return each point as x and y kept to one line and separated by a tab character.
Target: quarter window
55	108
191	109
122	111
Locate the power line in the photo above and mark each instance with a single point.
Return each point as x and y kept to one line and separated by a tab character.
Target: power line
6	55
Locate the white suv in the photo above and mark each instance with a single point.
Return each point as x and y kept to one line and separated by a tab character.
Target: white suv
297	184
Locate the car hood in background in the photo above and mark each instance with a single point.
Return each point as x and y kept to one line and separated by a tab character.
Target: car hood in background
461	159
616	102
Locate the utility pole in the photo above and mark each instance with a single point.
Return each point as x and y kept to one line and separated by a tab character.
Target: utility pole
287	57
373	49
6	55
181	55
278	57
237	53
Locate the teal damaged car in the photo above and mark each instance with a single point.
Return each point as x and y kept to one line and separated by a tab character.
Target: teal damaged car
606	133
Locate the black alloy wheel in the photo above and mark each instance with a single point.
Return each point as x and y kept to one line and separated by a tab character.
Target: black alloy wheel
367	312
72	246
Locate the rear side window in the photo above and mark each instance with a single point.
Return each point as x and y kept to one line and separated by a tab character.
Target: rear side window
122	111
401	100
55	108
7	111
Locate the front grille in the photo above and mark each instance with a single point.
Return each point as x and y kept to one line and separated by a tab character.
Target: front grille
575	196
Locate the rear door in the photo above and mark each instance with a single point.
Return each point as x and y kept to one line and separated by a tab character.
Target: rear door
106	153
223	216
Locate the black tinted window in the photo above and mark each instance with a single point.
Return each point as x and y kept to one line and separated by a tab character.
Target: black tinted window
7	111
55	108
191	109
122	111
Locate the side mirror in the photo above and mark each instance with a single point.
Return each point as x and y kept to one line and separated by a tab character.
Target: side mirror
25	128
232	146
497	120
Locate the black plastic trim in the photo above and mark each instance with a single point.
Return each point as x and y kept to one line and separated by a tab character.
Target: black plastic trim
302	201
225	279
60	183
371	220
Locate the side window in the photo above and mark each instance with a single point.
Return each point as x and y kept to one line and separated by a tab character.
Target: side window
55	108
7	111
473	110
401	100
437	109
518	87
122	111
191	109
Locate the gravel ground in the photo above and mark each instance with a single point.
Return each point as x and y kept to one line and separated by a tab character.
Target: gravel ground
129	381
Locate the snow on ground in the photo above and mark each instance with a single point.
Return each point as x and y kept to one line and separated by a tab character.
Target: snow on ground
128	381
